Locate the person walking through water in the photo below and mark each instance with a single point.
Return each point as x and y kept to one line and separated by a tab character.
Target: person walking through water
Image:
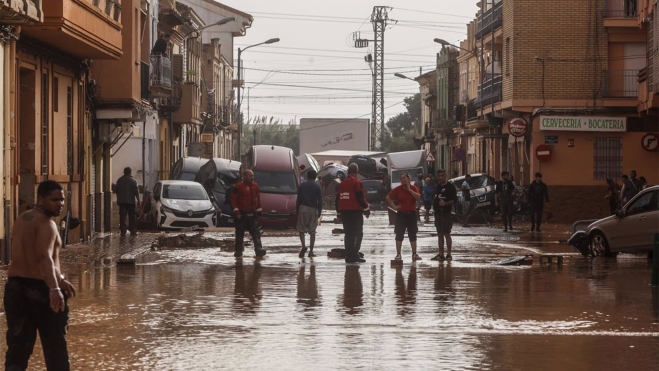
445	197
128	198
406	196
246	204
428	195
503	198
351	207
309	206
612	195
537	194
36	292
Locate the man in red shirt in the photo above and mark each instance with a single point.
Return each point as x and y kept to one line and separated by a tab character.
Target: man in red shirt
351	205
246	204
406	196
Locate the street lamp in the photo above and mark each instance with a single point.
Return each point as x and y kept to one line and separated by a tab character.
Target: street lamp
240	121
400	75
446	43
218	23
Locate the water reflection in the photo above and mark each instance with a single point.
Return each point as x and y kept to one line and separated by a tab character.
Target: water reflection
405	294
353	292
247	291
307	288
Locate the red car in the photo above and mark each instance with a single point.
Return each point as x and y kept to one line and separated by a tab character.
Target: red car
277	173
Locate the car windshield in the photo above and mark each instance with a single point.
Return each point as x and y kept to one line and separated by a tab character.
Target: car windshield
276	181
188	176
481	181
184	192
414	174
641	204
223	182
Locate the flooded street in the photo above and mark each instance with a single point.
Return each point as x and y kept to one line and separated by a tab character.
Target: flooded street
200	309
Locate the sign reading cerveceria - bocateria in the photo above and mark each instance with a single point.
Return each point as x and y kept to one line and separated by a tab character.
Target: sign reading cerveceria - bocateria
583	123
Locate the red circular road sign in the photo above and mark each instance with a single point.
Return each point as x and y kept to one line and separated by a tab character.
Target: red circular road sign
517	127
650	142
543	152
460	154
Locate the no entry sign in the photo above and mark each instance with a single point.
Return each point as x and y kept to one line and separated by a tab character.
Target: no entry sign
543	152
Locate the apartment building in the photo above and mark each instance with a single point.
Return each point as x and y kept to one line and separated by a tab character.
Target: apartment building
558	93
49	131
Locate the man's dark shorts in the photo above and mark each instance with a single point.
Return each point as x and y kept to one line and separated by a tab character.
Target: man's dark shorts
427	205
443	225
406	221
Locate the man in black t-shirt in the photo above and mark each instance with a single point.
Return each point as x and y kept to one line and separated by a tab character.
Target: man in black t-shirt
503	198
445	196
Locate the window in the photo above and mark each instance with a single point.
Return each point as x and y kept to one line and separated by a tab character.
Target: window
276	181
643	204
608	158
184	192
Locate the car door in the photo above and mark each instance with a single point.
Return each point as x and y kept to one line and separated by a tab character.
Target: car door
636	228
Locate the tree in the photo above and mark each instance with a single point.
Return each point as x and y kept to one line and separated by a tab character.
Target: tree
400	130
270	131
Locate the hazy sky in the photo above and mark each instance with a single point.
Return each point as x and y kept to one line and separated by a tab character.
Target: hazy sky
315	72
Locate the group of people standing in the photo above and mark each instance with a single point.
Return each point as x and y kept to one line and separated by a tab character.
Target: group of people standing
617	197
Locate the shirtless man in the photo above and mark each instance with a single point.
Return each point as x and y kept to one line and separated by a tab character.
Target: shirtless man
36	291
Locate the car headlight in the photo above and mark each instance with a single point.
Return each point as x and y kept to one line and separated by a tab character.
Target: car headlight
211	210
164	209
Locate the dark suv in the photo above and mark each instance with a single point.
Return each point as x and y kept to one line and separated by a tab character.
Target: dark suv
367	164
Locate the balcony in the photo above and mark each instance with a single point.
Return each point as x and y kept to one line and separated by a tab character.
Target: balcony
20	11
489	21
621	9
620	84
190	111
172	103
489	92
160	80
472	110
83	28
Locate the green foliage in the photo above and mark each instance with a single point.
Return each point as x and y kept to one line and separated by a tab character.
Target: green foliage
270	130
401	129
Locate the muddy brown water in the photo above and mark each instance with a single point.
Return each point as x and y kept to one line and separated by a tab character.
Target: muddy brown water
200	309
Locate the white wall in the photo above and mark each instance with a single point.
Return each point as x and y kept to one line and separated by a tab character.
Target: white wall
131	154
318	135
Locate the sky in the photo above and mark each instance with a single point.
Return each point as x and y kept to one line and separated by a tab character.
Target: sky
314	71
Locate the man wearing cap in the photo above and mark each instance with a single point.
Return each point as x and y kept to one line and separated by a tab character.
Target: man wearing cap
351	206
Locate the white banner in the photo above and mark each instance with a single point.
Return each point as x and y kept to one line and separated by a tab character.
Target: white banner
583	123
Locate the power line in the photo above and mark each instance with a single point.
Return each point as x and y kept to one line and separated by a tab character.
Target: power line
302	72
427	12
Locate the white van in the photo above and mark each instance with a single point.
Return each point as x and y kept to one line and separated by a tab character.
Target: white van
412	162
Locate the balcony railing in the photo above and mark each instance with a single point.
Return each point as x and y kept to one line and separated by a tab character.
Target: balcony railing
489	92
620	84
173	102
472	110
161	71
621	9
144	80
490	20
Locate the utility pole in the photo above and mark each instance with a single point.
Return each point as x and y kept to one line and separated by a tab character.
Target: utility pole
379	19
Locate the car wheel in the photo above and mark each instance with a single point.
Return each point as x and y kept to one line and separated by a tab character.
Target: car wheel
341	175
599	246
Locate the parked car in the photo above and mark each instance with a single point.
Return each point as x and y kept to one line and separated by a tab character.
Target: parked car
277	173
481	189
375	190
217	176
182	204
631	229
186	168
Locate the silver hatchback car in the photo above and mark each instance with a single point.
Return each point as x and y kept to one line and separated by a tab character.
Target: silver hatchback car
630	230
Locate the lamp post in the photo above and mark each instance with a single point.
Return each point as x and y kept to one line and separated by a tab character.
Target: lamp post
218	23
238	113
400	75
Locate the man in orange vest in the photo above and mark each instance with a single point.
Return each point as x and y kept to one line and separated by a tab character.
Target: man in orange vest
351	206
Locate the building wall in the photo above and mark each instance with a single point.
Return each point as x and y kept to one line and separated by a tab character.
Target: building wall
573	60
